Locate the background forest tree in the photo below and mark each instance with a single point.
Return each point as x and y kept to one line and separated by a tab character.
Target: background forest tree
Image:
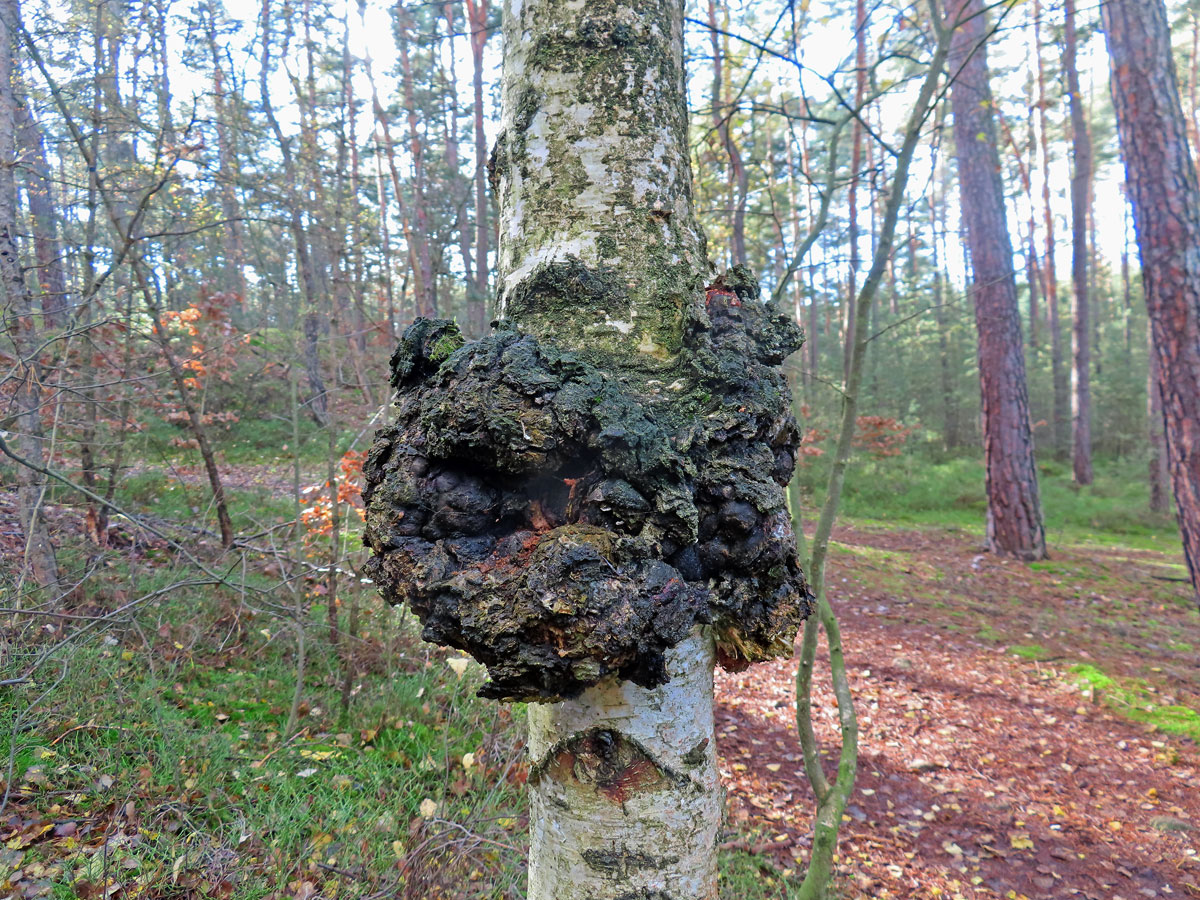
216	220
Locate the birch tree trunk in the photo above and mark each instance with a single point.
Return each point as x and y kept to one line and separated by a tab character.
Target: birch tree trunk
1161	178
592	163
595	834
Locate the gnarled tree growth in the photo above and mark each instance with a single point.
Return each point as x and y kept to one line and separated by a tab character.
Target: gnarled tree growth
590	500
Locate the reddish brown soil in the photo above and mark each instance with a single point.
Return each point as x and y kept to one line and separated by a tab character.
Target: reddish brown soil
981	773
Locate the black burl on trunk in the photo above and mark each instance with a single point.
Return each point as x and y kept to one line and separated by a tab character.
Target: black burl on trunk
562	522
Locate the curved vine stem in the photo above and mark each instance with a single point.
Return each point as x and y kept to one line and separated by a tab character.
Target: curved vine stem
832	797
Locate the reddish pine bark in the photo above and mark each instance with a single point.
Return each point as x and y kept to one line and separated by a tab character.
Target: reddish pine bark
1014	521
860	89
477	13
1058	370
1163	189
1158	451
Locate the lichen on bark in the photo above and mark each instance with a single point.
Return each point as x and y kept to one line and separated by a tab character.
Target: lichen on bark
563	521
592	163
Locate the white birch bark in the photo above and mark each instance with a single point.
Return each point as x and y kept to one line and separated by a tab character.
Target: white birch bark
625	795
592	164
592	176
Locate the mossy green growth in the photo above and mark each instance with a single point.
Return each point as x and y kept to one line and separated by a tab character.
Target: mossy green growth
1029	651
445	345
561	519
591	309
1129	698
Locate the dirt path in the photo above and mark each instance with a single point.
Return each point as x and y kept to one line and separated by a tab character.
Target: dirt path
983	773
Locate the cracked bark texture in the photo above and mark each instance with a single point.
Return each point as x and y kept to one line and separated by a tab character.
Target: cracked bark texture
590	500
563	526
1165	197
1014	517
627	803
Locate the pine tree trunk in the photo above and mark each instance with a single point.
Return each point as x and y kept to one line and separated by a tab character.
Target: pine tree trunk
44	213
1014	520
1081	180
1058	369
420	253
477	14
1163	188
722	113
856	153
626	801
1159	476
1193	113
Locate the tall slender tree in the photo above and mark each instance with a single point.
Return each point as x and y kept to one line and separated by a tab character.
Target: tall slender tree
1159	476
630	382
856	155
477	23
22	325
418	230
1058	369
44	212
722	115
305	261
1161	177
1081	182
1014	517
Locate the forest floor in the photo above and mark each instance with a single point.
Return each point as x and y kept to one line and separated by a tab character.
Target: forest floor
1026	730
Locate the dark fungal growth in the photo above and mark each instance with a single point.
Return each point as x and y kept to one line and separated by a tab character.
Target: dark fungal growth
562	523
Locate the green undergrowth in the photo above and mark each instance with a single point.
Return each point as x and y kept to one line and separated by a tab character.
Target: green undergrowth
154	754
1029	651
752	876
1131	698
172	736
909	490
253	439
160	493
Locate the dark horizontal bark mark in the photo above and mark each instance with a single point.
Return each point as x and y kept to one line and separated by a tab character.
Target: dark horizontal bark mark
616	765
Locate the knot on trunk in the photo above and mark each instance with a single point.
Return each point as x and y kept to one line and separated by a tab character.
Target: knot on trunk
563	523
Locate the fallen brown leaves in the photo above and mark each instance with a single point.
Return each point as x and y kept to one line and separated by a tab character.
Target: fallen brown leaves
983	774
